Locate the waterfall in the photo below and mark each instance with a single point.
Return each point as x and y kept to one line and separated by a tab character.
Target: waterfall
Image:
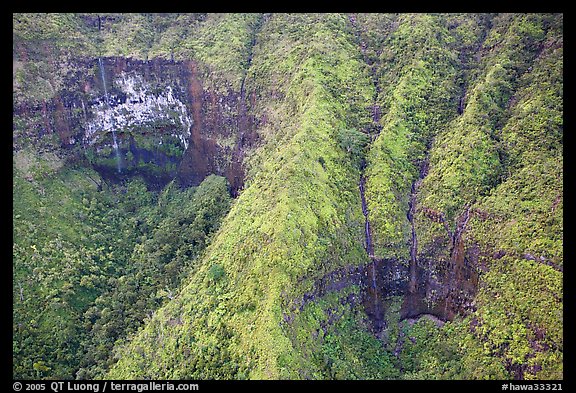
114	140
367	231
370	251
414	244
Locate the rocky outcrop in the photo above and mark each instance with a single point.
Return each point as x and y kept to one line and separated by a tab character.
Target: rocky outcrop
167	125
135	106
439	281
221	131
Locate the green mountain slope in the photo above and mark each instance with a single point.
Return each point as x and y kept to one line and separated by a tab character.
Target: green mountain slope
297	219
391	205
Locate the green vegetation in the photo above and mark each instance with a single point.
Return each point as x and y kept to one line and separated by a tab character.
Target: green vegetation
333	342
44	46
220	43
416	74
455	121
155	157
520	305
82	257
291	221
65	31
492	159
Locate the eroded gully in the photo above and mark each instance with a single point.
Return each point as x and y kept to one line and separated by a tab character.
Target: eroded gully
372	299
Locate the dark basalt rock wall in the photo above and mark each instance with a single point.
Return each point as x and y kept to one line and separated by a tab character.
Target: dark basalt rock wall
166	123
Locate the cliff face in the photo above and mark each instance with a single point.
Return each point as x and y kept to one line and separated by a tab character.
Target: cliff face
381	165
168	118
165	123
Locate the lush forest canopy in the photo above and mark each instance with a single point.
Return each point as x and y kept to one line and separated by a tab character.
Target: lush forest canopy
287	196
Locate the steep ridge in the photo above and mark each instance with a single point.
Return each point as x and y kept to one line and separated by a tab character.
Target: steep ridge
474	167
290	225
466	167
372	299
397	159
398	183
521	242
443	276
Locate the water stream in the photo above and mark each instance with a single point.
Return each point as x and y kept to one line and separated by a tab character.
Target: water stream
369	246
414	243
370	251
373	308
114	140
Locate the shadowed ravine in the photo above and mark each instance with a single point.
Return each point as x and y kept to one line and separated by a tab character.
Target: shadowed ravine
287	196
372	301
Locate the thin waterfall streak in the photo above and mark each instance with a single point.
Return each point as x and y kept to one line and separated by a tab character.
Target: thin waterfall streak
115	141
102	75
375	287
369	246
368	239
414	243
367	231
